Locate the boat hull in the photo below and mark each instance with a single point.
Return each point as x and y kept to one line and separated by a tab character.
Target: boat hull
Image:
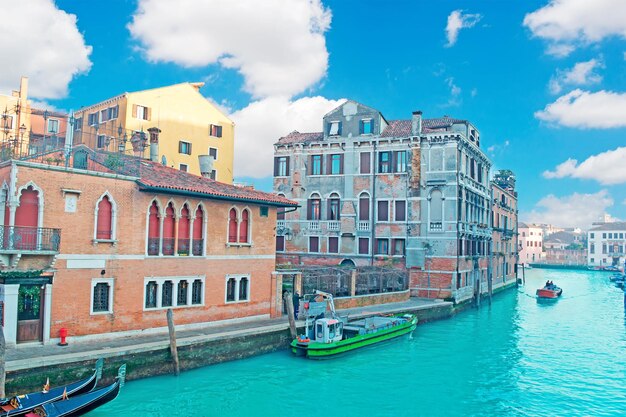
546	294
316	350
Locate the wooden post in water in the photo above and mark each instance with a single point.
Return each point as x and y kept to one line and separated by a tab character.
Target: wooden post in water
173	349
3	351
290	314
523	274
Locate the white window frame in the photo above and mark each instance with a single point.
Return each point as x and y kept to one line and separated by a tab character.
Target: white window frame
58	124
334	124
395	217
237	278
180	167
187	145
142	112
113	219
388	211
338	245
371	123
96	281
175	281
319	244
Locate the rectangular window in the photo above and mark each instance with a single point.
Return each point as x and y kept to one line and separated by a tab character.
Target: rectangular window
78	123
213	175
336	164
184	147
334	128
382	212
382	246
400	161
397	248
364	246
101	143
183	167
400	211
603	235
592	260
365	163
167	294
333	244
113	112
92	119
53	126
314	244
231	289
7	122
281	166
215	131
213	153
243	289
142	112
316	164
104	115
621	236
102	295
280	243
196	292
181	297
264	211
151	294
366	127
610	235
384	162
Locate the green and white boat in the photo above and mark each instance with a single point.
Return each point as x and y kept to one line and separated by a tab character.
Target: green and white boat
325	337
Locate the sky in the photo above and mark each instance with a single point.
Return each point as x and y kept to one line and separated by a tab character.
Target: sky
544	81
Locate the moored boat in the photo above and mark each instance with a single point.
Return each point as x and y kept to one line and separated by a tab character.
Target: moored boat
328	336
549	292
82	404
20	405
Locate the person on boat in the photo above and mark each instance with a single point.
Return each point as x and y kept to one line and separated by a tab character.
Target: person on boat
296	303
547	283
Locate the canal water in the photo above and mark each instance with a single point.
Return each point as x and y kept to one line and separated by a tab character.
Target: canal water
516	357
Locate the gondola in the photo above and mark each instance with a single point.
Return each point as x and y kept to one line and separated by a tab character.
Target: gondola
82	404
22	404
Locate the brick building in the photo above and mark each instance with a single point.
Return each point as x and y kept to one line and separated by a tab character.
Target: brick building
505	245
106	244
405	193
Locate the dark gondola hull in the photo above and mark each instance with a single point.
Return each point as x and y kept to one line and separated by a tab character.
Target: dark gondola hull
77	406
30	401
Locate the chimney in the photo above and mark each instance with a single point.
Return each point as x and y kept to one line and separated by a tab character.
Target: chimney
154	143
416	123
24	88
206	165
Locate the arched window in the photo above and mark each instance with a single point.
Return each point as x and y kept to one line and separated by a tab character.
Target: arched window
198	238
183	231
168	230
27	219
154	229
244	226
151	294
436	206
232	226
314	211
243	289
364	207
166	294
333	207
104	219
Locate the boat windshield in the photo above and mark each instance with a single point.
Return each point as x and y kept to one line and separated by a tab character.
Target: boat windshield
331	331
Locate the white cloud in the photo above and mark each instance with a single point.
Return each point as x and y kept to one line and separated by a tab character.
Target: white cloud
566	23
606	168
42	42
455	94
457	21
259	125
573	210
584	109
581	74
278	46
559	50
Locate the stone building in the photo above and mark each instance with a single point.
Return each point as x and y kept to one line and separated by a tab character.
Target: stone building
402	193
105	244
504	223
606	244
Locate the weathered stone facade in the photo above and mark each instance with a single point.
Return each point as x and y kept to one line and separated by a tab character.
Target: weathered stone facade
505	246
404	193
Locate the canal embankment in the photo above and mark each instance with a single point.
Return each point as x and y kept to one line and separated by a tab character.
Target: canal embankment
29	366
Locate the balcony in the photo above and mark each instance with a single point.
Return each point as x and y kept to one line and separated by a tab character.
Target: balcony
436	226
363	226
280	224
197	247
168	246
183	247
333	225
22	239
314	225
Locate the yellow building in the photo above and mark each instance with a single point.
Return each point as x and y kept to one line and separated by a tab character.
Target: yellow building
189	124
15	122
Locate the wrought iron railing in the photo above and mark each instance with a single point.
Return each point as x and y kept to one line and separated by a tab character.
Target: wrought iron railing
30	239
153	246
183	247
380	280
197	247
168	246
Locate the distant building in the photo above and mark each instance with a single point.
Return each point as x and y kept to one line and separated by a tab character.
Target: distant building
15	122
409	193
48	130
504	225
606	244
530	243
565	248
190	126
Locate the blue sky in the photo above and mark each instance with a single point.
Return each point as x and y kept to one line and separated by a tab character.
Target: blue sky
544	81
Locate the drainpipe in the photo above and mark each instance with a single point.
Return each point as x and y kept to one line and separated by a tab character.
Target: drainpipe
459	216
374	205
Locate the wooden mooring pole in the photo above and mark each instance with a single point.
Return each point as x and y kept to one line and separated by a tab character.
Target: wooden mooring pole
290	314
3	352
173	349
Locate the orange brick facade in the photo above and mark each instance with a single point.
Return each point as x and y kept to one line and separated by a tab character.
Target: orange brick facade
123	261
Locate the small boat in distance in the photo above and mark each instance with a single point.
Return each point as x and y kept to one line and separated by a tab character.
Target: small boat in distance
20	405
549	292
328	336
82	404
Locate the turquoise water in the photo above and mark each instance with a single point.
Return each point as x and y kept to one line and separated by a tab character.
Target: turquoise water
516	357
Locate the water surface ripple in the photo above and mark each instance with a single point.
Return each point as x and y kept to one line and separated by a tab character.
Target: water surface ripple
516	357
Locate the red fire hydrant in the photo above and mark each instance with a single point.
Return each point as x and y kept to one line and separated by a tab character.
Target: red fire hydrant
63	335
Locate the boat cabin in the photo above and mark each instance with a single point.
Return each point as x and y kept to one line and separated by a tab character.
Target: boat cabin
328	330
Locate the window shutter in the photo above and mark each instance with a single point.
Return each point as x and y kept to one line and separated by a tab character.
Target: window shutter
394	161
310	168
180	146
275	166
134	110
341	164
309	210
329	164
287	171
189	149
361	127
148	113
339	130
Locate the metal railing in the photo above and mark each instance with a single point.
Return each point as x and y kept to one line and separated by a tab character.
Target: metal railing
363	226
153	246
375	280
436	226
333	225
314	225
197	246
168	246
183	247
29	239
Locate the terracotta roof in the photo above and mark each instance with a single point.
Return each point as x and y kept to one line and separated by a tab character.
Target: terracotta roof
402	128
561	237
297	137
610	226
157	177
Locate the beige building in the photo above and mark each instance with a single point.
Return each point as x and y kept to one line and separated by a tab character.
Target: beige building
15	121
190	126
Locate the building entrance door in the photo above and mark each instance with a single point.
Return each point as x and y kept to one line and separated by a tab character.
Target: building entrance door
30	314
